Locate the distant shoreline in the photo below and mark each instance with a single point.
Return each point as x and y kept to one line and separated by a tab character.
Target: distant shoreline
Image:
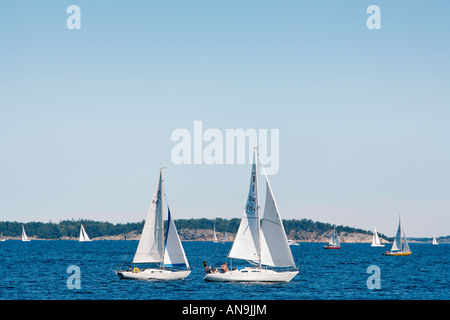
123	238
303	230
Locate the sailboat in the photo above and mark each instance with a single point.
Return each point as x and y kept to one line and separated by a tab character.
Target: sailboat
225	237
334	241
260	243
400	246
83	235
214	235
155	247
376	240
435	243
24	235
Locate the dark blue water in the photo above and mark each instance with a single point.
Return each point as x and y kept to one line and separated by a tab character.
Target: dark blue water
38	270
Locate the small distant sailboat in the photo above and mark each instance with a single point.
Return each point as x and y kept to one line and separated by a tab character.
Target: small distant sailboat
157	247
334	241
259	242
2	238
376	240
83	235
400	246
225	237
214	235
434	243
24	235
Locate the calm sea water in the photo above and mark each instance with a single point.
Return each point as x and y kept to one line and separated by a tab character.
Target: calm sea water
38	270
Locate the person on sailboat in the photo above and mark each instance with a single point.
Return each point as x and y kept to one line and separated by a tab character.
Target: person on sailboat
207	268
224	267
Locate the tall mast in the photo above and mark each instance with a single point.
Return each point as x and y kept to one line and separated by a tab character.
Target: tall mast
162	213
257	206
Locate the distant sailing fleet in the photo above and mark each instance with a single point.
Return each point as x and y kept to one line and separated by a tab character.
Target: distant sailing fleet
260	240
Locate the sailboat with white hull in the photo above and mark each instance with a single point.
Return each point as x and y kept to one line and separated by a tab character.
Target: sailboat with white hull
376	240
155	247
260	243
400	246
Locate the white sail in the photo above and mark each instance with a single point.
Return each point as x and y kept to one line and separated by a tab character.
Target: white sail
246	243
337	243
151	244
24	235
275	250
83	235
174	255
375	238
405	243
214	234
331	243
397	245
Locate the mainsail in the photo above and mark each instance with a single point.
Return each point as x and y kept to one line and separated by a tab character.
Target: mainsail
246	244
151	244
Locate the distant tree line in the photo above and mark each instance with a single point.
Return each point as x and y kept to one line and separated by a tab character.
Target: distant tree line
71	228
67	228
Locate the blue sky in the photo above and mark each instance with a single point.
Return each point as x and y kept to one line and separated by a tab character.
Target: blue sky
363	115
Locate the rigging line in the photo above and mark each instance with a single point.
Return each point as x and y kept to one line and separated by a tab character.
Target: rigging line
231	208
237	192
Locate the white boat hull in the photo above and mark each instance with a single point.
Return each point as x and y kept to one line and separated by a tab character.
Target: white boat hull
377	245
153	274
251	275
